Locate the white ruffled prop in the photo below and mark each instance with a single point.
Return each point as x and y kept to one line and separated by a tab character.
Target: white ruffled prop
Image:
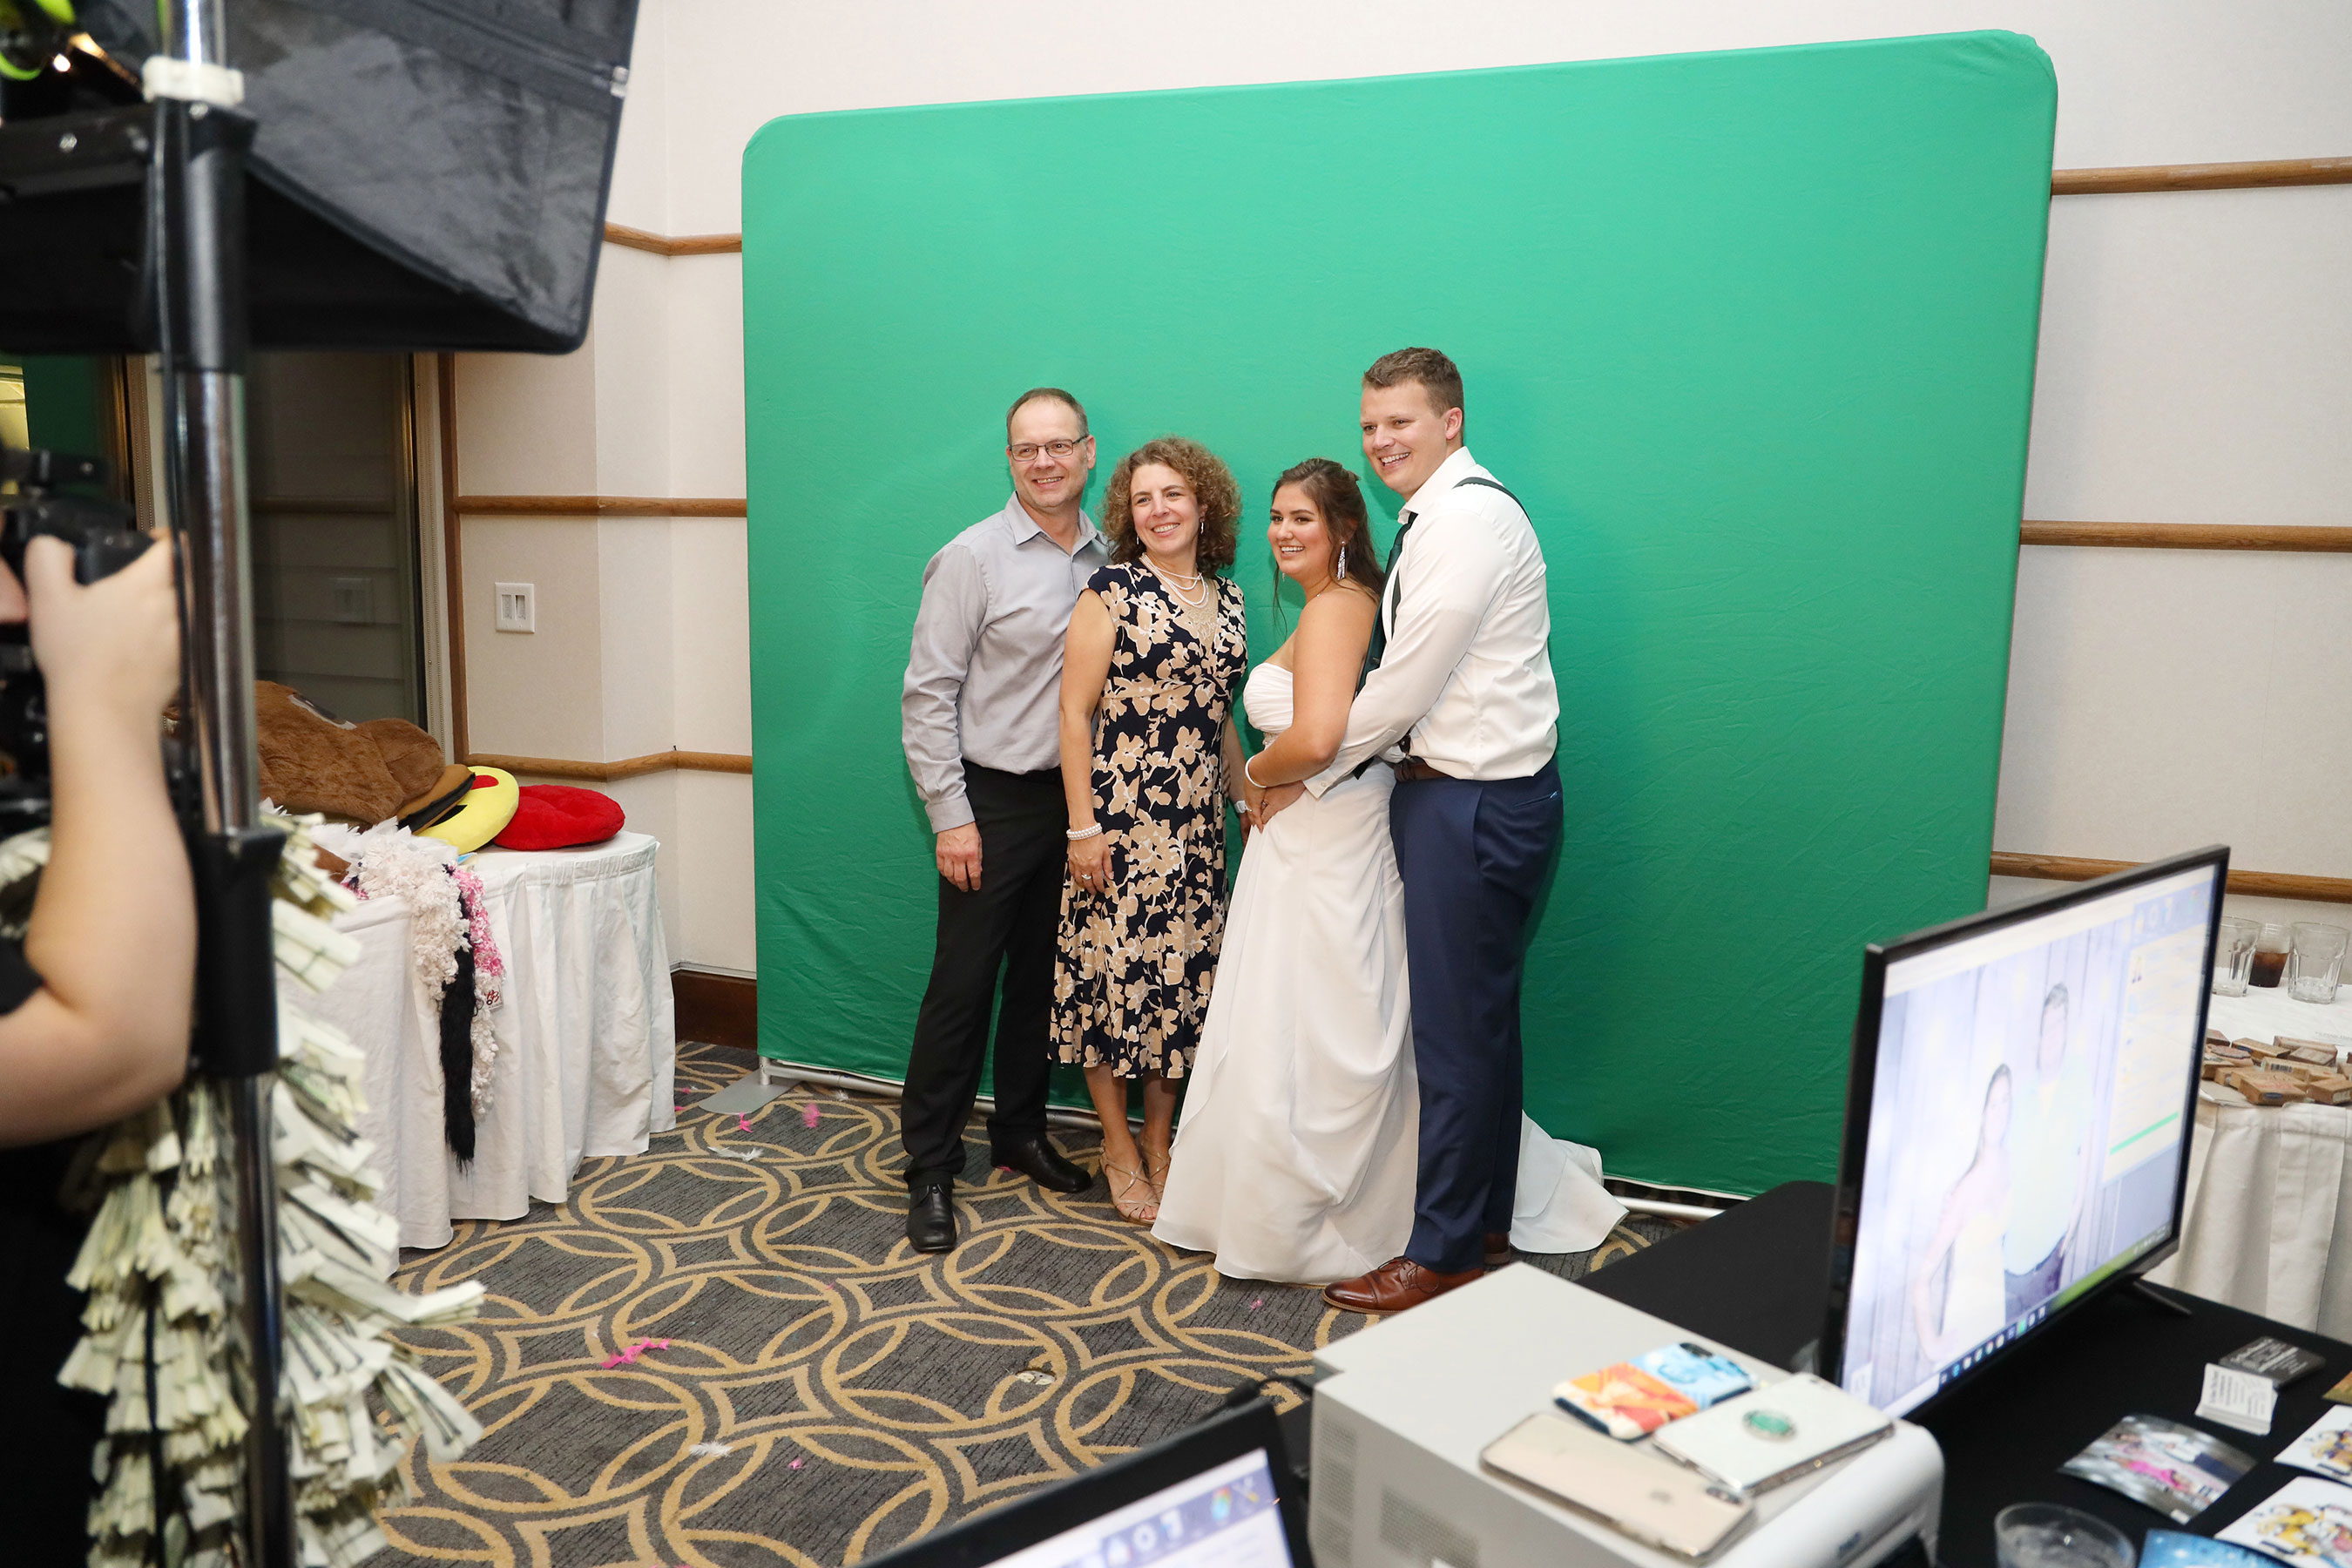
389	861
154	1264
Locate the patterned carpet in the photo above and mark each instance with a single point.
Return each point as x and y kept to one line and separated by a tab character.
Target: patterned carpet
824	1394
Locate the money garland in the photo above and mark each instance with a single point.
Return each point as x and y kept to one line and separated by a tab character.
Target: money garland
157	1339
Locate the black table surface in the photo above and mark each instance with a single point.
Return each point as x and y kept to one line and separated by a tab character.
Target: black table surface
1756	1279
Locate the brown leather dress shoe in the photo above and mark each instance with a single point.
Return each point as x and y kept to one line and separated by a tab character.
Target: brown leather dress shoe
1499	1248
1395	1285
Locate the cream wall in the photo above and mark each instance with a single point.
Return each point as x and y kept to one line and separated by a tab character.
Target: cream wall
2196	367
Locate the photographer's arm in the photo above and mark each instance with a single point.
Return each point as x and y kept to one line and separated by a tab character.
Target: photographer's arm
114	931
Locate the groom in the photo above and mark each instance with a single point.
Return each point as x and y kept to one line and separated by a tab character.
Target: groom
1462	679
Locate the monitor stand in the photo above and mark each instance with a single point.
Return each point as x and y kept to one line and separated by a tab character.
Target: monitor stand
2141	1288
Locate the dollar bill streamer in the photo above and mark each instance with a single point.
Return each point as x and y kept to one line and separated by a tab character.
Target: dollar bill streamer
156	1338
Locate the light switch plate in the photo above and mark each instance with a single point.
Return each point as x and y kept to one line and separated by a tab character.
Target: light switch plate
517	607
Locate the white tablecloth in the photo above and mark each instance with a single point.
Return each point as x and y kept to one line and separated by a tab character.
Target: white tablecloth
2269	1220
587	1042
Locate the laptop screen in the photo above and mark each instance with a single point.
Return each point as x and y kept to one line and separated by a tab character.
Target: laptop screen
1223	1518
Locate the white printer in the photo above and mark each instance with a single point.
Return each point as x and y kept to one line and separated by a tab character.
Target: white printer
1402	1410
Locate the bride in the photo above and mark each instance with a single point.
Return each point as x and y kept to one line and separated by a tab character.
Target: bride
1295	1159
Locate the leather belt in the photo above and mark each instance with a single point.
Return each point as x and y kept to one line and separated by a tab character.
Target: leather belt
1416	770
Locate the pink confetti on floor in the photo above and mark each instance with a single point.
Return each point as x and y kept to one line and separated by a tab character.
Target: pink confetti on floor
635	1351
809	1115
796	1464
742	1124
1256	1303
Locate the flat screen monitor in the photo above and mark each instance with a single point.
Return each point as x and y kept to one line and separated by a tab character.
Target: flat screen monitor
1217	1495
2018	1121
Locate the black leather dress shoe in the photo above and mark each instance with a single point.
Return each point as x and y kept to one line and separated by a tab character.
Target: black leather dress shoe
931	1218
1043	1163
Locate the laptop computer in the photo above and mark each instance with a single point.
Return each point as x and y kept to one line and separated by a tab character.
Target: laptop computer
1220	1493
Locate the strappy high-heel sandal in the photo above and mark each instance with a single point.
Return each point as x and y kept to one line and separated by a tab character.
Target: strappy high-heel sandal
1158	1179
1134	1210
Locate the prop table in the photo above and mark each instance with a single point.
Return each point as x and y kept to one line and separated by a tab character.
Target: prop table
586	1037
2269	1220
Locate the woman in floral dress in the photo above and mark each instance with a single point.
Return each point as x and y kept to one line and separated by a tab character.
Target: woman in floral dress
1150	755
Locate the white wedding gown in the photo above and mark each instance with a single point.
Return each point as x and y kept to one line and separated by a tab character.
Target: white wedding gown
1296	1155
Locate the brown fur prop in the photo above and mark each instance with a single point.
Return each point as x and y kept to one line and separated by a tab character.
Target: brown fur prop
311	761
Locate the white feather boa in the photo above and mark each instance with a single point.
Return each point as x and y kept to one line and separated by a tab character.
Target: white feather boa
388	861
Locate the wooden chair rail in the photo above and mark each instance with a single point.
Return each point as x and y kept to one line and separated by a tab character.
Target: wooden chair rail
2315	538
2258	174
673	245
626	768
2269	173
2254	884
601	506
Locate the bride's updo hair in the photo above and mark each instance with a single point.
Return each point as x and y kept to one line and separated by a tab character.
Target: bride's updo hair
1340	499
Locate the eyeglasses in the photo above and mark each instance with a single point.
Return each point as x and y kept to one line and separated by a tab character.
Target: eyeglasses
1027	451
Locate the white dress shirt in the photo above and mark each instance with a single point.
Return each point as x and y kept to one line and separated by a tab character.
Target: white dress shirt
985	671
1466	678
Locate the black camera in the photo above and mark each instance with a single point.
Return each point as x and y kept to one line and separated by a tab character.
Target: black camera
105	537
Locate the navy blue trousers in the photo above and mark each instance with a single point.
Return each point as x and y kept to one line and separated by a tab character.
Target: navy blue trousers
1473	854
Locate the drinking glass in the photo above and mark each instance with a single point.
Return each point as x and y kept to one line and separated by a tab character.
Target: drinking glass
2270	956
2045	1535
2315	961
2233	957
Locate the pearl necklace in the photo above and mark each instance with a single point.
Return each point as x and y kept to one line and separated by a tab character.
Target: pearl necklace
1177	584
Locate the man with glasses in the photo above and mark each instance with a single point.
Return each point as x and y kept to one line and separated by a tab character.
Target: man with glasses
979	716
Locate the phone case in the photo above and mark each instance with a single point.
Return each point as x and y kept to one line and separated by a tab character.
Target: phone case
1637	1494
1696	1373
1624	1401
1775	1434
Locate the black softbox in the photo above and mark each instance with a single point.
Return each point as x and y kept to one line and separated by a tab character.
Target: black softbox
424	174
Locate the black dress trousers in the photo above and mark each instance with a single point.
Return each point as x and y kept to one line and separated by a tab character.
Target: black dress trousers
1009	925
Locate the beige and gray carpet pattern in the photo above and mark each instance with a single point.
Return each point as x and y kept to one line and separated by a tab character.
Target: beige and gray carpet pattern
809	1391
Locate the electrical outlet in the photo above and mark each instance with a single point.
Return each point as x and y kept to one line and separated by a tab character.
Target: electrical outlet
354	600
514	607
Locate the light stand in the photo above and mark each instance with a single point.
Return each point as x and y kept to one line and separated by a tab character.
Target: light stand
197	248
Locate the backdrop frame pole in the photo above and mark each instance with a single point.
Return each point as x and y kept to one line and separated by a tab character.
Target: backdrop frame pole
197	235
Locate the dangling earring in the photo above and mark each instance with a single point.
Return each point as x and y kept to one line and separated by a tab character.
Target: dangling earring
1340	567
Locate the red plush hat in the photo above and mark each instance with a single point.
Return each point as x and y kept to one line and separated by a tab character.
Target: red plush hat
556	817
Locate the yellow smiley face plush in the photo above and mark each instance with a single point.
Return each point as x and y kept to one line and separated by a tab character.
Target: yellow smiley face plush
488	806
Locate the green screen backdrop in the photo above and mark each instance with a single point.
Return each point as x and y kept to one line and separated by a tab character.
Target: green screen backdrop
1752	335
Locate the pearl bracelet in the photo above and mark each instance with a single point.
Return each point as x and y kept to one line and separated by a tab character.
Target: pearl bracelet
1088	831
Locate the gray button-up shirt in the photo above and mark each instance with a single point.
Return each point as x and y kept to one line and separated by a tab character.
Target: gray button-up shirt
985	674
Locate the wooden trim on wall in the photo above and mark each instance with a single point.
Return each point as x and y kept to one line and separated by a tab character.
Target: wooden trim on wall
2254	884
673	245
453	555
715	1009
2316	538
2259	175
626	768
603	506
2268	173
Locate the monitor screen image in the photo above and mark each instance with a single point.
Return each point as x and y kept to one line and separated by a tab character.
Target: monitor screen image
2029	1096
1223	1518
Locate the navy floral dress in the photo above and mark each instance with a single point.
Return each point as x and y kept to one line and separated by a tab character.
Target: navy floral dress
1132	973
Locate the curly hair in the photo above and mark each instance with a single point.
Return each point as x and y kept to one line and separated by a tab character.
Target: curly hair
1213	491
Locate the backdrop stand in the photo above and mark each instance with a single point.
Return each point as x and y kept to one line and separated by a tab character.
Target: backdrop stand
198	247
